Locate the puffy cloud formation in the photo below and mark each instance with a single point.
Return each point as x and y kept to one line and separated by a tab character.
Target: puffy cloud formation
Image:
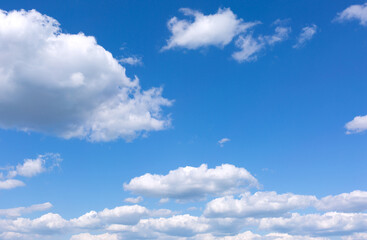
205	30
358	124
188	183
29	168
16	212
306	34
67	85
355	201
269	215
260	204
354	12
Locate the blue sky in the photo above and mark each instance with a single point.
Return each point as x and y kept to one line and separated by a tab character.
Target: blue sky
97	95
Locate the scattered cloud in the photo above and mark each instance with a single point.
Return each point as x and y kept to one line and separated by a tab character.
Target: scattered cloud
217	29
134	200
190	183
306	35
131	60
223	141
19	211
69	86
250	46
358	124
29	168
354	12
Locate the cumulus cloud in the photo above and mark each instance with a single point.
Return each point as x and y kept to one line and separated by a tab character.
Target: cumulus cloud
205	30
189	183
355	201
19	211
354	12
260	204
358	124
306	34
330	223
69	86
29	168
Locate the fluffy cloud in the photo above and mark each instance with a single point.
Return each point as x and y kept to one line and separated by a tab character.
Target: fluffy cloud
67	85
205	30
193	183
29	168
260	204
354	12
355	201
306	34
87	236
331	223
358	124
11	183
16	212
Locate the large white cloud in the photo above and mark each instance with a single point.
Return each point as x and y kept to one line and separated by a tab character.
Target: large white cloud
189	183
68	85
355	201
260	204
205	30
354	12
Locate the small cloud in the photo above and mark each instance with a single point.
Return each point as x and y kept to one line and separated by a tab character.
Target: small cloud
131	60
223	141
164	200
306	35
358	124
134	200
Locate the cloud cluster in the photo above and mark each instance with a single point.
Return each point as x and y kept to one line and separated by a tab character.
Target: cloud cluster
29	168
188	183
230	217
69	86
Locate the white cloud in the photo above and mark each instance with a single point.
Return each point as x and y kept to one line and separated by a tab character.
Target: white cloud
205	30
11	183
260	204
134	200
67	85
223	141
252	236
356	236
358	124
355	201
193	182
16	212
306	35
330	223
251	46
87	236
131	60
354	12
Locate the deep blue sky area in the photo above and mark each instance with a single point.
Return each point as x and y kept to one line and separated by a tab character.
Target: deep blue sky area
284	113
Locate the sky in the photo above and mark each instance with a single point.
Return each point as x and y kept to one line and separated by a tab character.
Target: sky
187	120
